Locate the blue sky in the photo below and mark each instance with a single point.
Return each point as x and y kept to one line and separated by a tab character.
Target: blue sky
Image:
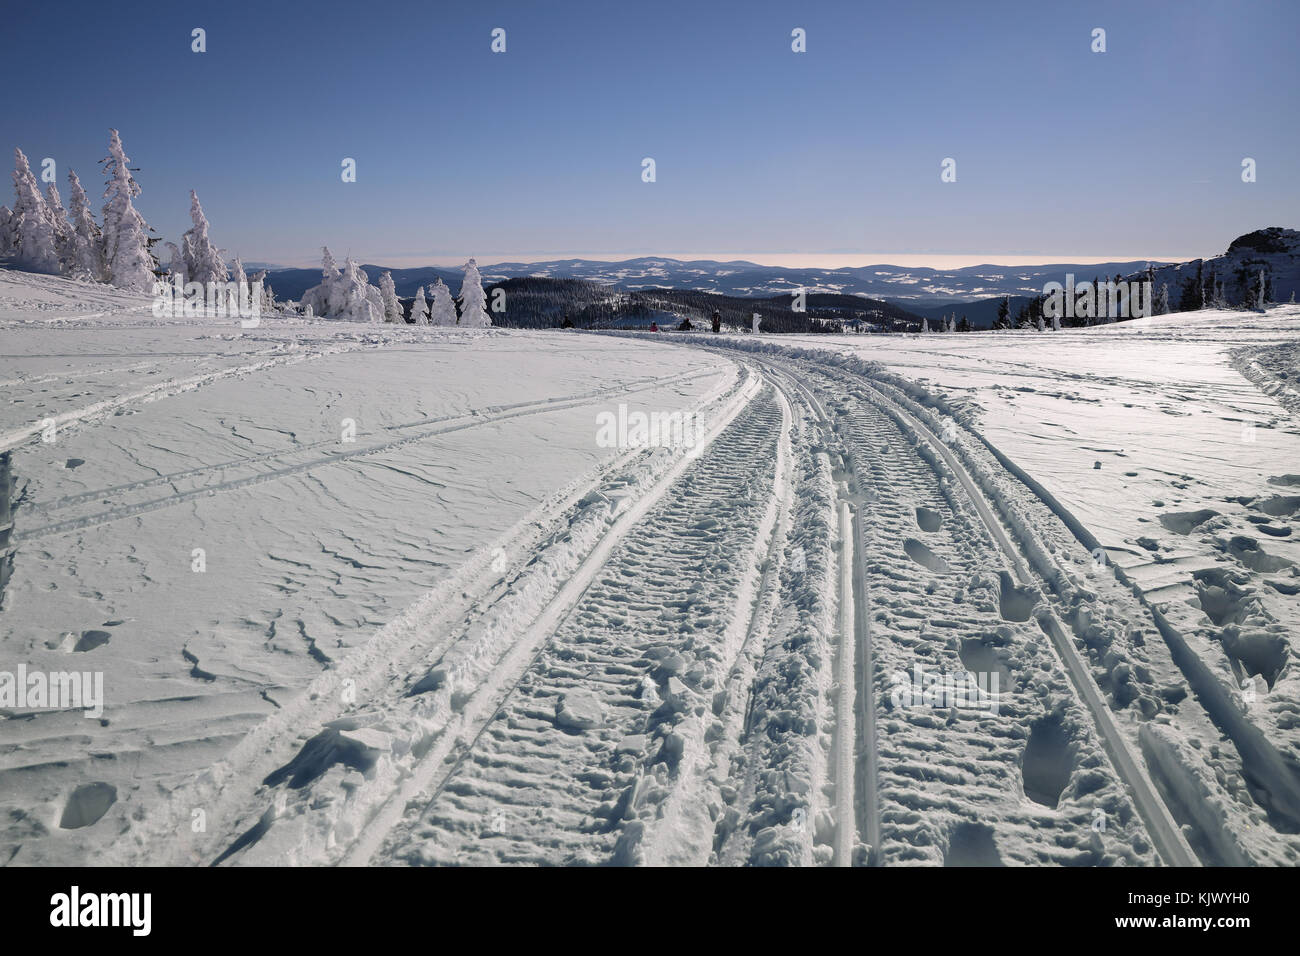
536	153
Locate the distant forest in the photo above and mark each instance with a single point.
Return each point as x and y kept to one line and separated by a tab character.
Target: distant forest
535	302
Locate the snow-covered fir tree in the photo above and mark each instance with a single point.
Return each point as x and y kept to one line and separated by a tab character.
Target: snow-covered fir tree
203	263
343	295
128	263
442	308
35	246
473	301
240	280
925	324
268	296
6	231
1162	300
62	228
392	307
420	308
86	260
176	263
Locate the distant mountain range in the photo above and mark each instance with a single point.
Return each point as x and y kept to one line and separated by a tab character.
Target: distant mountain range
915	289
973	291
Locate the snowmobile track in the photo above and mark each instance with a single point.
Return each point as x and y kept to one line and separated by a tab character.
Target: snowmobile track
588	733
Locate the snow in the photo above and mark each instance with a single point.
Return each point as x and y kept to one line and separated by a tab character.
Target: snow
377	593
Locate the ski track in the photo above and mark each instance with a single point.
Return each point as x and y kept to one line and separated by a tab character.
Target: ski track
319	454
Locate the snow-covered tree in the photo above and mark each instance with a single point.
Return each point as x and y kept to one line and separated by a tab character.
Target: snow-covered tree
1162	300
1004	314
176	264
347	295
1056	322
925	324
240	280
268	296
62	228
388	293
473	301
35	237
86	259
203	263
6	230
1042	327
128	262
420	308
442	309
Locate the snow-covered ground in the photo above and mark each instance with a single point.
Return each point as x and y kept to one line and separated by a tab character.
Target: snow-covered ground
370	594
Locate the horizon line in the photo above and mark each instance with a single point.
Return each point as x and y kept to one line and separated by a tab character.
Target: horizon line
769	260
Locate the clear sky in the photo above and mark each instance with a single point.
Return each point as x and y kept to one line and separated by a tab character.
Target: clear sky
760	152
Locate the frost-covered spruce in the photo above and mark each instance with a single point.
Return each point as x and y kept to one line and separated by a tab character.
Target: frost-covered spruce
268	296
6	230
345	295
393	313
128	263
176	265
86	259
35	241
420	308
473	302
240	280
442	310
203	263
62	228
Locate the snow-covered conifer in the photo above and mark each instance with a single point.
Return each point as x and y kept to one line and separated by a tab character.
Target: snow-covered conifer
35	241
420	308
6	230
203	262
87	255
473	301
442	309
128	263
62	228
392	307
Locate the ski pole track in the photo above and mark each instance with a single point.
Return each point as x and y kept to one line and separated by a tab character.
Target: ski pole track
334	456
575	758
